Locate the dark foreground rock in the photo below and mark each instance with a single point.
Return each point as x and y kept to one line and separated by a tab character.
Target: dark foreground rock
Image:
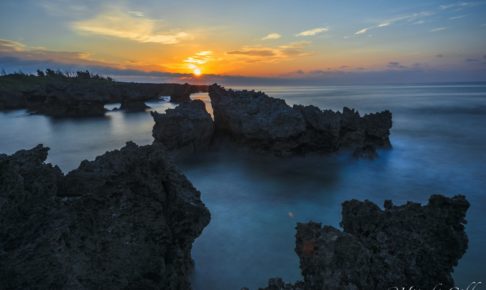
400	246
186	129
124	221
269	124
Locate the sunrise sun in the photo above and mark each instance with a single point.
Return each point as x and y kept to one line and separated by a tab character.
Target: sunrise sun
197	72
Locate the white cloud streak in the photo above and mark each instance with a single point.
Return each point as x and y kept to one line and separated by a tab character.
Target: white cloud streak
312	32
413	17
362	31
272	36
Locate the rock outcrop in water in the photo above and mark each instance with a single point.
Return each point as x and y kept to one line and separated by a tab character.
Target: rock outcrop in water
133	106
269	124
124	221
400	246
186	129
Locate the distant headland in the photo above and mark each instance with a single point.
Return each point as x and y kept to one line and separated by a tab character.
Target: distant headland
59	94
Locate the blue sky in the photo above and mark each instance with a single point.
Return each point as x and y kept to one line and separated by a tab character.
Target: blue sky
303	40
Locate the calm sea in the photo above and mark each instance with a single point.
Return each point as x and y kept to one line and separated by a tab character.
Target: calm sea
439	146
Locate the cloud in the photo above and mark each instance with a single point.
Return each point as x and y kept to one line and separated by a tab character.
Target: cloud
312	32
17	56
272	36
414	18
129	25
11	46
200	57
384	24
440	55
457	17
395	65
253	52
459	5
17	50
136	13
270	54
437	29
471	60
362	31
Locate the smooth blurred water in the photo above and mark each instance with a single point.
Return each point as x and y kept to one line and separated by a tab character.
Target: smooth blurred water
439	142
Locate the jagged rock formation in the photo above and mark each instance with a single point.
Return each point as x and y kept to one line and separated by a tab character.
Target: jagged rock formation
133	106
124	221
269	124
65	96
400	246
186	129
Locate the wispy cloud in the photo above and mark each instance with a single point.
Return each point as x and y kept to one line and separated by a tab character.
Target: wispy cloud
272	36
254	52
7	46
437	29
384	24
458	5
457	17
201	57
312	32
129	25
16	50
270	54
136	13
362	31
198	59
415	18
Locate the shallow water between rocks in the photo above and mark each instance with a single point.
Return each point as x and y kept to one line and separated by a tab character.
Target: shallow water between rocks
438	138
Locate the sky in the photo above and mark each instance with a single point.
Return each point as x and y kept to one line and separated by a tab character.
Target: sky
272	41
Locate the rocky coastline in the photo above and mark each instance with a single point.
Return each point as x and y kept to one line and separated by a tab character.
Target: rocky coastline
128	219
62	96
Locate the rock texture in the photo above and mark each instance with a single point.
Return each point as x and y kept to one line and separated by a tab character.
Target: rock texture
124	221
400	246
188	128
269	124
133	106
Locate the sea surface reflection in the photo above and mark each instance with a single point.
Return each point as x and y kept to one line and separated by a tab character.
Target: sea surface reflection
438	139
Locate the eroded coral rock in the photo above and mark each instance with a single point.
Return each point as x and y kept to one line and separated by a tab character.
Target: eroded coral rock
400	246
124	221
269	124
188	128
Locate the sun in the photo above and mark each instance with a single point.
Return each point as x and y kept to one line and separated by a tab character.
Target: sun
197	72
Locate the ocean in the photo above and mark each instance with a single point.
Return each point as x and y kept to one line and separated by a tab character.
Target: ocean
439	146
